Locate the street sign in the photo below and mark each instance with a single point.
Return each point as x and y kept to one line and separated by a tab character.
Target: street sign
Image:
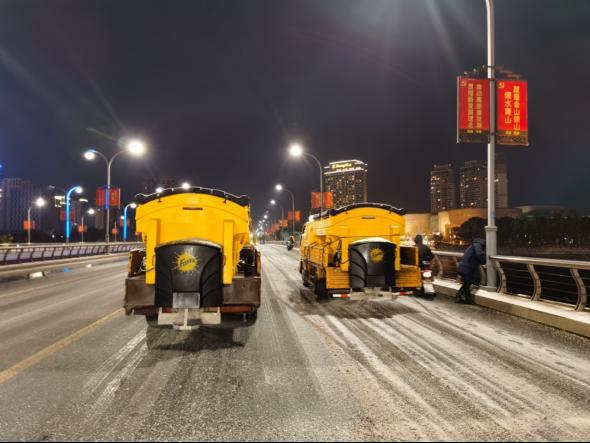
473	110
512	112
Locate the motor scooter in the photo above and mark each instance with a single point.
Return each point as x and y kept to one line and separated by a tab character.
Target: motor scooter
427	288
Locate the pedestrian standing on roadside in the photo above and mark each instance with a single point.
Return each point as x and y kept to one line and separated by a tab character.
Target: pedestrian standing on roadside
468	269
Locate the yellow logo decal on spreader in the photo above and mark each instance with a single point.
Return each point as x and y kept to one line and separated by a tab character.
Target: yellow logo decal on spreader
186	262
377	255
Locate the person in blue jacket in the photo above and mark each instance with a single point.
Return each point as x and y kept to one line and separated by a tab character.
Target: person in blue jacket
473	257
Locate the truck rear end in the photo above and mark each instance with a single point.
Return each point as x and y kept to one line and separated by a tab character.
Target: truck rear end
200	265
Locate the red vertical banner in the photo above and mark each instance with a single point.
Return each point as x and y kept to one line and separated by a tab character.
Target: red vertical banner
297	216
473	110
315	200
100	197
26	225
62	215
115	197
512	112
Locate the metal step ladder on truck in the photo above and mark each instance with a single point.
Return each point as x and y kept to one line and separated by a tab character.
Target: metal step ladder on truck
200	265
355	252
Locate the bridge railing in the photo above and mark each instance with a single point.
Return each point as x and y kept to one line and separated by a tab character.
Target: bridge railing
25	253
538	279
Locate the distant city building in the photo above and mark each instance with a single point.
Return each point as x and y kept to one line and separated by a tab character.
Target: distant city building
347	181
17	197
149	185
442	188
545	210
473	188
472	184
501	182
448	222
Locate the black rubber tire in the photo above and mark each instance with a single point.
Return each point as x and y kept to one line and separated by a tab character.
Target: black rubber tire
305	279
320	289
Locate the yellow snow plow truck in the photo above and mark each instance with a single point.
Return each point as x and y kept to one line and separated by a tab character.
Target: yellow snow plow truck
355	252
200	264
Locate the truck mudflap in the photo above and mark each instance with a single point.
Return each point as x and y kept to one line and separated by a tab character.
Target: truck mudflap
138	295
243	291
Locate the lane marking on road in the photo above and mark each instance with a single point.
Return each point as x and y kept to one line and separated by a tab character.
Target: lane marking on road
41	355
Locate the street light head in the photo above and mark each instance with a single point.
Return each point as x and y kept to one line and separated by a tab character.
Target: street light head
295	150
136	147
90	154
40	202
265	216
185	185
122	217
91	211
133	205
79	190
279	188
159	190
273	202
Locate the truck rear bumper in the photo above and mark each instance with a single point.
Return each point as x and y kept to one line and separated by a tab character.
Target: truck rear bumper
140	297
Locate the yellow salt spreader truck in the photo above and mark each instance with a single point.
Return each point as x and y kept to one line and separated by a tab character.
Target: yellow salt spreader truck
355	252
200	265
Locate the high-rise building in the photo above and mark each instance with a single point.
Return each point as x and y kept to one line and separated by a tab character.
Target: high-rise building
474	184
17	197
442	188
501	182
347	181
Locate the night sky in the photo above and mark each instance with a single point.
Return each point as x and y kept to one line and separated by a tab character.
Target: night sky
219	88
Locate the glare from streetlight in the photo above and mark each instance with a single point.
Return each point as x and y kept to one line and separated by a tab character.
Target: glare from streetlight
265	216
40	202
295	150
79	190
273	202
185	185
91	211
133	205
136	147
279	187
159	190
90	155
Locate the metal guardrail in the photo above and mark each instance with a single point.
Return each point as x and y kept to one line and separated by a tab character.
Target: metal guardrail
539	279
25	253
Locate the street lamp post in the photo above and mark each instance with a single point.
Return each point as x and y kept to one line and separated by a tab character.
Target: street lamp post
280	188
90	212
491	228
78	190
297	151
134	147
133	206
40	202
273	202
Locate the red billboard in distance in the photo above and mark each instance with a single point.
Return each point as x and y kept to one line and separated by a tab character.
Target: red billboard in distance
512	112
473	110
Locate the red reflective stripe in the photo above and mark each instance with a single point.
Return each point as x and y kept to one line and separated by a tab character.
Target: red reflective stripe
236	309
